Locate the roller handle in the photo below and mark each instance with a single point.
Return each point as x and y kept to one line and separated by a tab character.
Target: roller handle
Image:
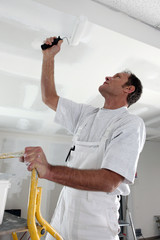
45	46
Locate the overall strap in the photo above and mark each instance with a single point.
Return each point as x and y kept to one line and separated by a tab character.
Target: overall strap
76	136
84	123
108	132
112	126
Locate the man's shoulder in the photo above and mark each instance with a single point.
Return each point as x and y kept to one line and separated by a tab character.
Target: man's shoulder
132	119
135	117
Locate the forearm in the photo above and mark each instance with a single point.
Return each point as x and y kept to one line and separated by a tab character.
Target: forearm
92	180
49	94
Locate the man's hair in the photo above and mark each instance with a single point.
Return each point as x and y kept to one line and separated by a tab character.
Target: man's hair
134	81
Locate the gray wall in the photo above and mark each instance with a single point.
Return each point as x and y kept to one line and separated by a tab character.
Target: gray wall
145	193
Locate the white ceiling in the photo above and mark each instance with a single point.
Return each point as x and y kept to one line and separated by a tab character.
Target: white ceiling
111	41
146	11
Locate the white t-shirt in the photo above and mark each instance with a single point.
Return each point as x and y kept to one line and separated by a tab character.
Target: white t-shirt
125	143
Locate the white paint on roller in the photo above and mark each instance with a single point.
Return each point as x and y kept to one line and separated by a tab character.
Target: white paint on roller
78	31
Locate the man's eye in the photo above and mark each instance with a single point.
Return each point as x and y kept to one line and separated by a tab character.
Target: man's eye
116	76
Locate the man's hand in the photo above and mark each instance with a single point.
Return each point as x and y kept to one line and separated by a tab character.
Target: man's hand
34	157
51	52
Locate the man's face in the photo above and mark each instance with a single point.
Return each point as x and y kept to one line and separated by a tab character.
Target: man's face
114	85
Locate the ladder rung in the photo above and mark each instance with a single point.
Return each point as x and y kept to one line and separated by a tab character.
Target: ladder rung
123	223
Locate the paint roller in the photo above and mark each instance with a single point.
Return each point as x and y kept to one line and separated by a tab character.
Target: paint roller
74	40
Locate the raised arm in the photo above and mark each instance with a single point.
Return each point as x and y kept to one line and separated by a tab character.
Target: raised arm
49	94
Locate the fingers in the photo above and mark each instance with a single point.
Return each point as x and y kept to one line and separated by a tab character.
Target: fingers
33	154
50	40
41	169
59	43
31	166
34	157
21	159
29	151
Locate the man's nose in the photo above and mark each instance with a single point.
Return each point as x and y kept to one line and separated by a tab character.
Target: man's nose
109	78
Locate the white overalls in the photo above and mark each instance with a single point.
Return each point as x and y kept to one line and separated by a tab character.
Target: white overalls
86	215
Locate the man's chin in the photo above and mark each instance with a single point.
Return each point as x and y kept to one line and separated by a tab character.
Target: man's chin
100	89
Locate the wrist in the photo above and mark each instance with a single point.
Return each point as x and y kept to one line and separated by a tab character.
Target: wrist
48	173
48	57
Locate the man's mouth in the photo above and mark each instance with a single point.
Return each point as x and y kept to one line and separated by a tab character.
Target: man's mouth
106	82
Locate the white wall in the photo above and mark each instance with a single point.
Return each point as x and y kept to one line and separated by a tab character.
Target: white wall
145	193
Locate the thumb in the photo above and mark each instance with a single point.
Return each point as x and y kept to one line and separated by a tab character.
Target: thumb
31	166
59	43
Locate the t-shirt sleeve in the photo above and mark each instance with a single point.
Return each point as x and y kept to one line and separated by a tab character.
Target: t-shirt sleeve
123	151
70	114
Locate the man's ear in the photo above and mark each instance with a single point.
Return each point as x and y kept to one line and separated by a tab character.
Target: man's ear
129	89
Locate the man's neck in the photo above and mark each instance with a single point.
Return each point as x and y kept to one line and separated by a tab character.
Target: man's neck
114	104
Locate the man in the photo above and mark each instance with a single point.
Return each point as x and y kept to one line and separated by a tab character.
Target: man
103	159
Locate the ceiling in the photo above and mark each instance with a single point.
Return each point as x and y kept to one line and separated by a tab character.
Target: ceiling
104	37
142	10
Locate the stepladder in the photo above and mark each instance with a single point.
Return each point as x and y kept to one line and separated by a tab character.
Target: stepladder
37	225
126	220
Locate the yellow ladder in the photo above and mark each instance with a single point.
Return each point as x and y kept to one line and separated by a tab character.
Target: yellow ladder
36	230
